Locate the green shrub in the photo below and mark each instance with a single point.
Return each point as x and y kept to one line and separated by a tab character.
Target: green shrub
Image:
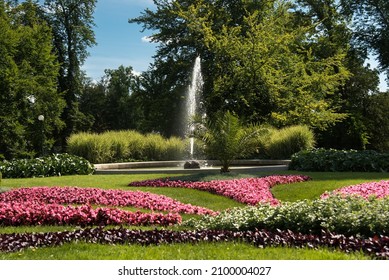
54	165
283	143
340	160
344	215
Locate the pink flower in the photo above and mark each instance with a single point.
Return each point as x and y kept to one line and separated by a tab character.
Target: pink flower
44	205
74	195
249	190
33	213
366	190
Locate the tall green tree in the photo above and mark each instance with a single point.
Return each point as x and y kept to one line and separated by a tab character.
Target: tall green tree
378	122
353	97
160	98
120	85
28	82
371	24
72	24
258	59
93	104
113	102
267	69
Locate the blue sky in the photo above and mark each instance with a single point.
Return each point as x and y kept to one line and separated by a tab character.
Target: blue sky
118	42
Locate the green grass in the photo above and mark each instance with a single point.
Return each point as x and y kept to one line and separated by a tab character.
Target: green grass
323	181
307	190
201	251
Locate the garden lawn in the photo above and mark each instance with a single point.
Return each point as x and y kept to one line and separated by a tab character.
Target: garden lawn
200	251
305	190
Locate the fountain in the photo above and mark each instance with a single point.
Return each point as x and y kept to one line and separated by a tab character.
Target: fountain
192	104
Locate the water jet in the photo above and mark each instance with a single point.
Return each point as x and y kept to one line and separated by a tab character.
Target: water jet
193	96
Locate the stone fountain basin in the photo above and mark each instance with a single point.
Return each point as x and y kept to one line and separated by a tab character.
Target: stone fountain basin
252	165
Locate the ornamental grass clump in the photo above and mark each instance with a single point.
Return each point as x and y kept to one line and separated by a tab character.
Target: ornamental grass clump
125	145
283	143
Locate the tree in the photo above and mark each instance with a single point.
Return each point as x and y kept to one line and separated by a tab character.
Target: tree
28	82
371	21
72	23
120	85
267	70
258	59
378	122
353	97
159	98
93	104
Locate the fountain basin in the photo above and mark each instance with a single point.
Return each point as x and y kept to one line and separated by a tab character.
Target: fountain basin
252	165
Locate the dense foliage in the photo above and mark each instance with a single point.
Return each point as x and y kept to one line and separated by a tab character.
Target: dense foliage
340	160
344	215
53	165
370	18
71	23
277	62
28	83
231	55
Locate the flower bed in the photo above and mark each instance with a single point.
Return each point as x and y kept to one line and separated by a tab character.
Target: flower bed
44	205
377	247
250	191
74	195
366	190
35	213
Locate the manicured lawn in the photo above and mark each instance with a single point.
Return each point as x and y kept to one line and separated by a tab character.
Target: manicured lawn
201	251
306	190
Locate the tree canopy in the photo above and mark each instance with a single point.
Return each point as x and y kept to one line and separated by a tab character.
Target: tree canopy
277	62
260	61
28	82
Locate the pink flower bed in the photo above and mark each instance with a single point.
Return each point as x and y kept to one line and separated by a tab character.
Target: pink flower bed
36	213
74	195
43	205
249	190
366	190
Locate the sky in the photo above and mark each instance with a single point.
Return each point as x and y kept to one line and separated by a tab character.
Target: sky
118	42
121	43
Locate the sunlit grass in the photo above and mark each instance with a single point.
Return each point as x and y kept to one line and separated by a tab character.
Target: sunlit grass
200	251
322	182
306	190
